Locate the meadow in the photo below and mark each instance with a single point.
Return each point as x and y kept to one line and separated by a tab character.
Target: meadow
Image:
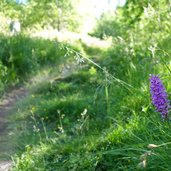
89	108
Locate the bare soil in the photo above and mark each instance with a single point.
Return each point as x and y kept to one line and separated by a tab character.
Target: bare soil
6	104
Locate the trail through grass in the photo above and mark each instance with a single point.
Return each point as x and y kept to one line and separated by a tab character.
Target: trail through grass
77	117
7	146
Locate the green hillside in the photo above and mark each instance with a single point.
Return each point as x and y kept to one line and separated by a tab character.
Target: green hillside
88	107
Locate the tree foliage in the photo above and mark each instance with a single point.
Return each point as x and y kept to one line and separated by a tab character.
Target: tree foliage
141	17
58	14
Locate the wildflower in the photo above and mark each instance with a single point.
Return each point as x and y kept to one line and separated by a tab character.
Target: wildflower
159	96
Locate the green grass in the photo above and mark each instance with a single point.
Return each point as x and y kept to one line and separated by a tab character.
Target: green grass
96	115
101	139
21	57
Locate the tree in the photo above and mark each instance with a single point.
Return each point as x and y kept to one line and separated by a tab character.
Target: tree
59	14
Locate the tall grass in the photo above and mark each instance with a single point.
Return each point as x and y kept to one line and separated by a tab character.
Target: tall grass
112	139
22	56
99	116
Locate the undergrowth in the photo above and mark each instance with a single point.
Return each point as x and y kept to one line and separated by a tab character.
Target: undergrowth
91	123
21	57
93	111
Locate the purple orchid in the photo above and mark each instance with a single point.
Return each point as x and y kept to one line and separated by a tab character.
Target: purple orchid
159	96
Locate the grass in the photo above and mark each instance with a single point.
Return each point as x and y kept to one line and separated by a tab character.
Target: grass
94	115
21	57
66	123
88	108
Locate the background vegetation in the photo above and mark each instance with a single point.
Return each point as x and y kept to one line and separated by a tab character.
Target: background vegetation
88	107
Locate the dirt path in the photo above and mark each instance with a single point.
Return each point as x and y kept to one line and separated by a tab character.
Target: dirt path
6	104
